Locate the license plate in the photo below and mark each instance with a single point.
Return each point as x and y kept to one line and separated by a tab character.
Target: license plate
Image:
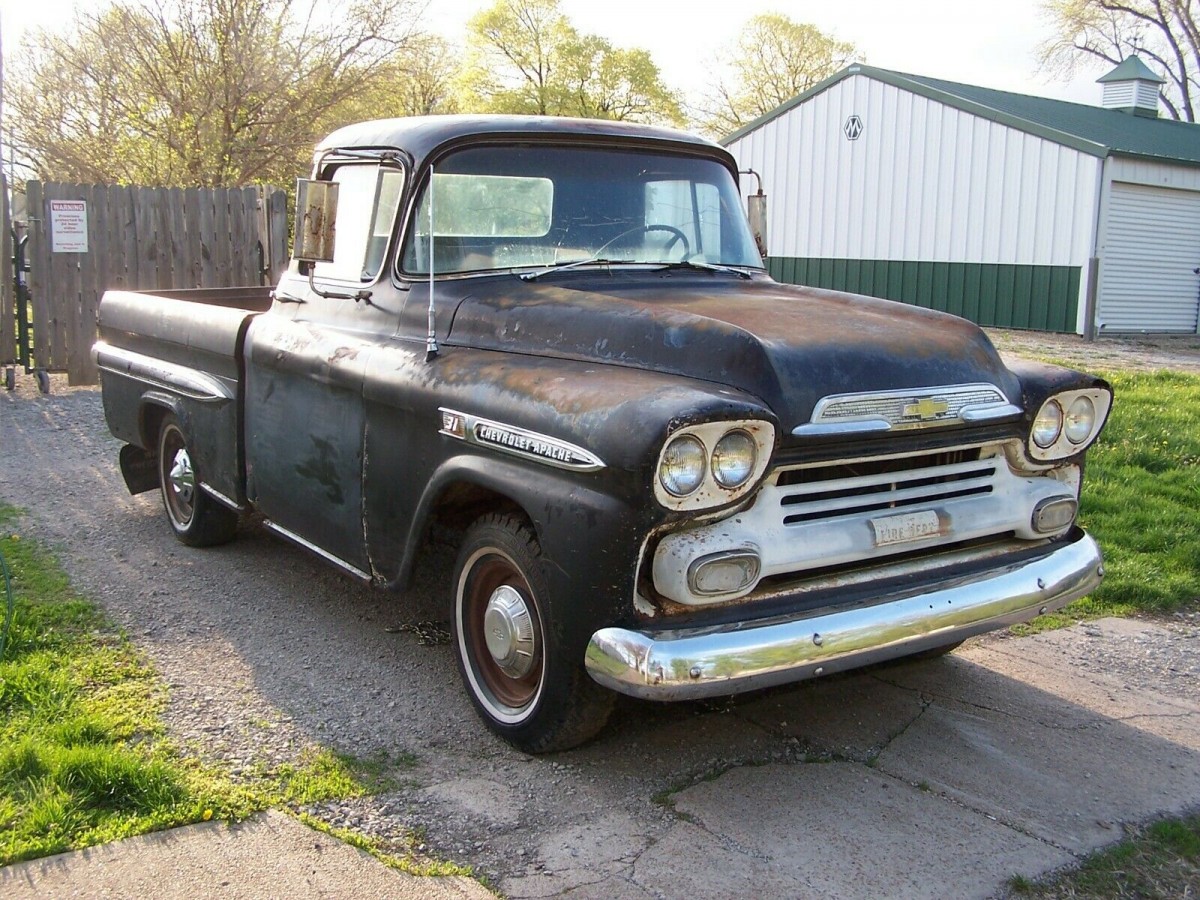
906	527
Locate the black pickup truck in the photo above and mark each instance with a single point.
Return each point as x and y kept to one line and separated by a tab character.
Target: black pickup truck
669	476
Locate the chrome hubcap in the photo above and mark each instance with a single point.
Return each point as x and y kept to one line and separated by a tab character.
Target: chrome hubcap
182	477
508	631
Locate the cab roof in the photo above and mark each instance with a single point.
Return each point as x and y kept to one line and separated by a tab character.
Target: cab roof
420	136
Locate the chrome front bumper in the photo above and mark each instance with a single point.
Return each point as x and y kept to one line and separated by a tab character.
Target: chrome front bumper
686	664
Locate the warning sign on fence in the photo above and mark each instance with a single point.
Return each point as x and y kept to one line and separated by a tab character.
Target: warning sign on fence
68	226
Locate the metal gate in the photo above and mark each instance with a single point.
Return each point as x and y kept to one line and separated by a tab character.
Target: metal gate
85	239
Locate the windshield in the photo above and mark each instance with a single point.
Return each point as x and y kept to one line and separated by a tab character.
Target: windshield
519	207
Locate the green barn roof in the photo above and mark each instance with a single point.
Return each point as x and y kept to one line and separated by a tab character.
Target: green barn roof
1089	129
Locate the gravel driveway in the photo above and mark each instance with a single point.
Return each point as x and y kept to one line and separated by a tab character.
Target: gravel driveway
268	651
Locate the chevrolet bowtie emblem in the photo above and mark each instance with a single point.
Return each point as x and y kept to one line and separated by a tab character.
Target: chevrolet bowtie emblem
926	408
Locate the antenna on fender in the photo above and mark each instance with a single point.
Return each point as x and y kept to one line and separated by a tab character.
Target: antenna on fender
431	344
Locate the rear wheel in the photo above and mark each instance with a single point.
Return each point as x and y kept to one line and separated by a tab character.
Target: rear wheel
196	518
526	682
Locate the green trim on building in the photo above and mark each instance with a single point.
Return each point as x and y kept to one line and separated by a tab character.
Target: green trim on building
1039	298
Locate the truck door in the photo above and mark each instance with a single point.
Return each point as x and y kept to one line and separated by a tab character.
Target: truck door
305	420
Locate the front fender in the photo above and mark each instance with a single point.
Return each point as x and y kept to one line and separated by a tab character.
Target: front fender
590	539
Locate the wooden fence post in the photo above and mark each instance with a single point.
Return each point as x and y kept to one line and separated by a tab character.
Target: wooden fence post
8	295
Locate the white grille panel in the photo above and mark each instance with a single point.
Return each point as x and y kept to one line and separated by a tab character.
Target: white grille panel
826	497
809	517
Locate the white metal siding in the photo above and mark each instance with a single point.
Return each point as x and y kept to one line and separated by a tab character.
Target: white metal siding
924	181
1141	171
1151	249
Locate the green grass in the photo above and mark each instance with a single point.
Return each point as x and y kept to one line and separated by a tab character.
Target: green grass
1162	860
1141	494
84	757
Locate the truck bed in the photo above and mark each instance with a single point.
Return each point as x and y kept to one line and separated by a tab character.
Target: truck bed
178	353
254	298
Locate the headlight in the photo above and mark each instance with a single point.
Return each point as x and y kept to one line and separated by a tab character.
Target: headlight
1068	423
1048	424
1081	417
712	464
733	459
682	467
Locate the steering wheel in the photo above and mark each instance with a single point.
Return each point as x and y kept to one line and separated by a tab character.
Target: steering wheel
676	237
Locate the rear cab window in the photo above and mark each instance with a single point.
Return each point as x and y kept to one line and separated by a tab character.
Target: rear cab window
368	197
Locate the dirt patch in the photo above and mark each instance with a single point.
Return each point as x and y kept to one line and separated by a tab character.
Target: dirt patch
1180	353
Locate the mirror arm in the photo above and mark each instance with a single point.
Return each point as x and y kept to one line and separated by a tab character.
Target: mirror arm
336	295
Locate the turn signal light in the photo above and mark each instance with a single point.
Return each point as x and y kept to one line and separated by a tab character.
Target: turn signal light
1054	514
723	573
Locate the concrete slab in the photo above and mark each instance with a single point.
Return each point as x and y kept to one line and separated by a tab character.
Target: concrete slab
852	716
577	860
835	830
1026	731
268	856
480	797
692	862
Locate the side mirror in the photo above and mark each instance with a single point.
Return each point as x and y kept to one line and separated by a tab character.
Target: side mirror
756	213
316	220
756	210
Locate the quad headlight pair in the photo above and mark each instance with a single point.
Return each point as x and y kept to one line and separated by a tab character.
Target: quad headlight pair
686	461
1068	422
711	464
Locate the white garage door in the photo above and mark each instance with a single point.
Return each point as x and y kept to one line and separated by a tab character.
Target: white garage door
1147	273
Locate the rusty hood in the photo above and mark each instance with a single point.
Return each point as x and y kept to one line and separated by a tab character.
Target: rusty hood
787	345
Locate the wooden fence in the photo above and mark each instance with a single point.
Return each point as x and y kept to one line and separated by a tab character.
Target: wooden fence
8	311
140	238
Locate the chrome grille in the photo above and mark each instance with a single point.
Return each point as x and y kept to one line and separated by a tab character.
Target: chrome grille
903	409
843	489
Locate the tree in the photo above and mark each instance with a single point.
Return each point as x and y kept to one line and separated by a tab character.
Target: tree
420	81
197	92
1164	32
525	56
772	60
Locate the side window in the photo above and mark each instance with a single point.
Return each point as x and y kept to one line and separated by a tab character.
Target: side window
367	201
692	207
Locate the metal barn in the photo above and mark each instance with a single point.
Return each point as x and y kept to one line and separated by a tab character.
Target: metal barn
1010	210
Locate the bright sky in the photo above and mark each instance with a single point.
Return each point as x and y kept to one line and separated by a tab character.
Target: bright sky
993	45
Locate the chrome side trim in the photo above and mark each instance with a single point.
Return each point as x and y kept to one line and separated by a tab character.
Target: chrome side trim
221	498
324	554
517	442
686	664
191	383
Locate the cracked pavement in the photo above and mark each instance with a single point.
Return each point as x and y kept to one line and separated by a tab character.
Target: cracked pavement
1013	756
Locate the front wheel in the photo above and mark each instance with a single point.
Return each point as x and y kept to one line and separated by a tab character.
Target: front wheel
196	518
527	684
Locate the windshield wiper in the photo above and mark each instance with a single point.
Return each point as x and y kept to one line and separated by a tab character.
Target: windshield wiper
705	266
562	267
